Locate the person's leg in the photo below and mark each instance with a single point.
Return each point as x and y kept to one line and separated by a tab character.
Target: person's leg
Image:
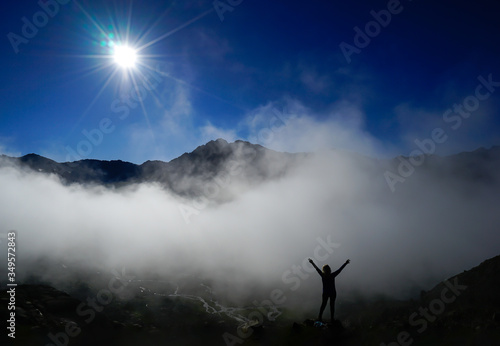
323	306
332	306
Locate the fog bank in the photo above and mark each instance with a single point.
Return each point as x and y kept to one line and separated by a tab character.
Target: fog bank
429	229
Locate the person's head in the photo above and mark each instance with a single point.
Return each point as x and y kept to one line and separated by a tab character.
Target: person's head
327	269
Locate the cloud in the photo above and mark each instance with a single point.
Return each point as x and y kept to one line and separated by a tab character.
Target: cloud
177	109
398	242
293	127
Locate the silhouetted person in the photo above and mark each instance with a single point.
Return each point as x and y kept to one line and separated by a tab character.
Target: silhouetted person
329	291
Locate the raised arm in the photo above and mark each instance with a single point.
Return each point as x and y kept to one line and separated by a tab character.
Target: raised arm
341	268
316	267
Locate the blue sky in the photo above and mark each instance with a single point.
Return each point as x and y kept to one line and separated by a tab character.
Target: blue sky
273	73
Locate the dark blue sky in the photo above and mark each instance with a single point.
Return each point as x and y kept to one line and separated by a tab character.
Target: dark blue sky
271	72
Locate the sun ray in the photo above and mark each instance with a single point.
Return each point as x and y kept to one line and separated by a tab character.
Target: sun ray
194	87
127	51
89	71
89	17
145	113
182	26
129	21
151	27
101	90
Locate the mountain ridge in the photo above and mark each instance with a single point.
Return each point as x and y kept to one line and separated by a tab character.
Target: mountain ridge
483	151
243	161
183	175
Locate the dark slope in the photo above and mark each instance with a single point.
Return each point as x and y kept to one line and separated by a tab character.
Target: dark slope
462	310
240	161
228	162
83	172
467	314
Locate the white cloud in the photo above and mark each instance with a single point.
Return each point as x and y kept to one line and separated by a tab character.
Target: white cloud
177	109
293	127
392	239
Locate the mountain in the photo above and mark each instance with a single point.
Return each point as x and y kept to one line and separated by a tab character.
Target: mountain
156	310
462	310
238	162
241	161
250	164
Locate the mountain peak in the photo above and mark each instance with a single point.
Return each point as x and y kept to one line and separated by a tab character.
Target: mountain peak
220	141
33	156
215	144
35	160
214	147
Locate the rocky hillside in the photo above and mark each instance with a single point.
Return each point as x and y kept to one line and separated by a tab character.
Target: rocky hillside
462	310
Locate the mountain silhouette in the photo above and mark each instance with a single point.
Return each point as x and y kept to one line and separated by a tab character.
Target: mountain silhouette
247	163
183	175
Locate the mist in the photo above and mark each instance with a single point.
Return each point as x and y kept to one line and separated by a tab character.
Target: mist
258	237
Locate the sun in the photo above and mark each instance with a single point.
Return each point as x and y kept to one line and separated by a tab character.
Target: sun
125	56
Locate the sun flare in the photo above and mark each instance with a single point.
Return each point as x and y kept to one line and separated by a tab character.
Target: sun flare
125	56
